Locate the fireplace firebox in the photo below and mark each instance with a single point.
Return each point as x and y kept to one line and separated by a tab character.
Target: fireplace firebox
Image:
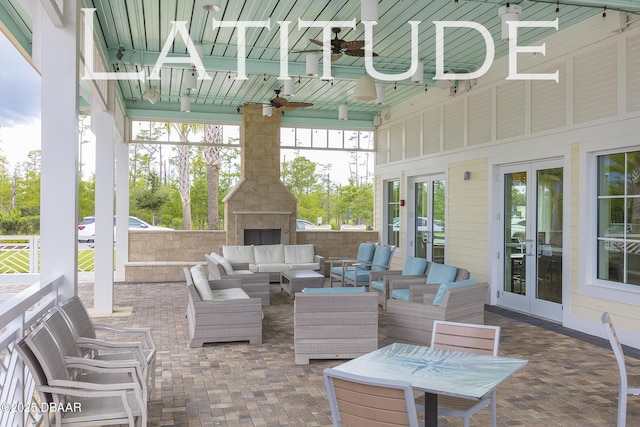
261	237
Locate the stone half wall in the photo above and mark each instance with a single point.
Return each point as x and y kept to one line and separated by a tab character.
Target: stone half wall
260	201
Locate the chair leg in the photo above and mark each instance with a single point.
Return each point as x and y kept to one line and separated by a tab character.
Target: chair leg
622	408
493	408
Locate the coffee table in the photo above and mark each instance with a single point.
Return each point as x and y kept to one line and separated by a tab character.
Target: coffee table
293	281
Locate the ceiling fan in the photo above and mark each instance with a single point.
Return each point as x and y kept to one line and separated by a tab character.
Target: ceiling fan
283	104
339	47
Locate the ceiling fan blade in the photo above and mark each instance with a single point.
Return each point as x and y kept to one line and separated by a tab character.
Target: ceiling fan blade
279	102
358	53
354	44
299	104
318	42
307	51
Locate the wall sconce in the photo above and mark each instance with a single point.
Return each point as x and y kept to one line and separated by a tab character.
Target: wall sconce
467	175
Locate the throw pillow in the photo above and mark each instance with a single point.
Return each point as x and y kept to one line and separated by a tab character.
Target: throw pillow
441	273
201	283
451	285
225	263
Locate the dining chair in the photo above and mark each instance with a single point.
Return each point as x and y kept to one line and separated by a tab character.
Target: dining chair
478	339
629	383
360	401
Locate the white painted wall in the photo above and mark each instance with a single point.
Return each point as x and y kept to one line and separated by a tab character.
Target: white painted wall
595	106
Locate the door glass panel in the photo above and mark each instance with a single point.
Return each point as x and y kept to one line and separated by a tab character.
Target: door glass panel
422	206
393	212
438	226
515	237
549	235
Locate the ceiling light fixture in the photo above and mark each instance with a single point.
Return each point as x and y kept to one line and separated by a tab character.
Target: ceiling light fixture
267	110
365	89
380	92
152	95
190	82
343	112
120	53
312	64
289	87
369	10
185	104
508	13
211	5
557	9
418	75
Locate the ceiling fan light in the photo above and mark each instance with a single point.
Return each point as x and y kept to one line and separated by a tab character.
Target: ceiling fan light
267	110
211	5
185	104
343	112
380	92
369	10
418	75
289	87
190	82
365	89
312	64
152	95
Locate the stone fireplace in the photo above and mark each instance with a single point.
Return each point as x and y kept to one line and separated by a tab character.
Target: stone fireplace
260	201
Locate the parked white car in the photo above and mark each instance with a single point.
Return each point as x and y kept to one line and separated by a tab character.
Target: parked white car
87	228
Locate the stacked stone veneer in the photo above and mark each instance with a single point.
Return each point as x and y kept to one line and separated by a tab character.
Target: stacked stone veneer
260	200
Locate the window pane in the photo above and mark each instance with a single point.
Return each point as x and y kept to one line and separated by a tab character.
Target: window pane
610	262
393	212
633	174
336	139
611	175
611	218
633	262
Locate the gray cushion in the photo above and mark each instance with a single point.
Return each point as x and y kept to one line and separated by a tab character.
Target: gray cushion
201	283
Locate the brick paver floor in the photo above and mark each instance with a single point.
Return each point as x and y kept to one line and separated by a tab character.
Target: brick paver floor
568	381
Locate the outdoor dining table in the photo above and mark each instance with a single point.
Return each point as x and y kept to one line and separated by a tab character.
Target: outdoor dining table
436	371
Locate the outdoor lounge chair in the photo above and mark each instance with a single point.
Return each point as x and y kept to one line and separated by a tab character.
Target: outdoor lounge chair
629	383
412	322
414	268
360	401
64	385
338	264
478	339
72	352
254	284
413	288
357	273
85	329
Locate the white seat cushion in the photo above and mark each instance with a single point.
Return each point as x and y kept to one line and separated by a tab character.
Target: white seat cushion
201	283
268	254
276	267
240	273
239	254
298	254
230	293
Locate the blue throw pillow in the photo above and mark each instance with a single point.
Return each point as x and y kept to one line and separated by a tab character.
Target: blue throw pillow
451	285
441	273
414	266
401	294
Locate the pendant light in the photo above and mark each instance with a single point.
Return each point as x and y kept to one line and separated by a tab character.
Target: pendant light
312	64
343	112
185	104
380	92
369	10
365	89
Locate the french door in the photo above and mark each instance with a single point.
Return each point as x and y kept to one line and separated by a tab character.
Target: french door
426	237
531	251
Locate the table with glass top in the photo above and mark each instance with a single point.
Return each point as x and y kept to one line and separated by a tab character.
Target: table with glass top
436	371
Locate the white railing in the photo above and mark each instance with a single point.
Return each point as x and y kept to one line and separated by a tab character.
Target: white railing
18	315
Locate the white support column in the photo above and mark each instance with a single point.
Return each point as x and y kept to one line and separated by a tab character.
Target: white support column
58	49
103	124
122	208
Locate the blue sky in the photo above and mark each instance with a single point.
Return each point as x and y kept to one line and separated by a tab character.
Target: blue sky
19	104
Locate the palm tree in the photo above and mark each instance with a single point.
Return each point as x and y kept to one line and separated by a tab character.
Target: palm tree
212	136
184	161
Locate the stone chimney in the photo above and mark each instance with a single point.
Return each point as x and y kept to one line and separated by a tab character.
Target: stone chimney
260	209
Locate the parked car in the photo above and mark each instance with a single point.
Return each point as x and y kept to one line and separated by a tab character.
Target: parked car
301	224
87	228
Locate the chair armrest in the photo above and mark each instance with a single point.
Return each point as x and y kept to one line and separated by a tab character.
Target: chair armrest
225	283
404	282
428	298
381	275
240	266
147	338
135	348
417	292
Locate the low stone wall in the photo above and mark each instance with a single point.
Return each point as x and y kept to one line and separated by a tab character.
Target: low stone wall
159	256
